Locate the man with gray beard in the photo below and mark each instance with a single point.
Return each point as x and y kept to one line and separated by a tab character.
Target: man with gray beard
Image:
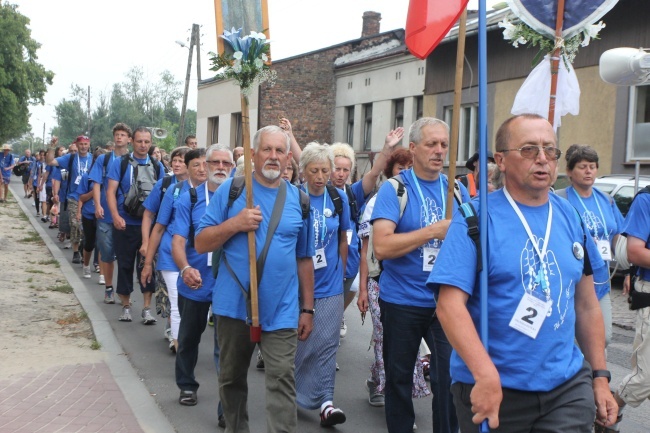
195	280
286	284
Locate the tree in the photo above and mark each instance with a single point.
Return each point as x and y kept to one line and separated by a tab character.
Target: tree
23	81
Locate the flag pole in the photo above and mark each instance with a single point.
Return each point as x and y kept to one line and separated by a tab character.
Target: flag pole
483	191
256	330
455	119
555	61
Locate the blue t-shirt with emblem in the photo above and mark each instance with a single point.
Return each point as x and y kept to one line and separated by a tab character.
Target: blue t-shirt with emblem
99	174
421	210
354	246
6	161
637	224
86	186
514	270
77	165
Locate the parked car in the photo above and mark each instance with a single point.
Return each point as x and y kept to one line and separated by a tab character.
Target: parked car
621	188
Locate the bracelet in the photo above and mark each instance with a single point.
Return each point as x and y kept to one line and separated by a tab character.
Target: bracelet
183	270
306	311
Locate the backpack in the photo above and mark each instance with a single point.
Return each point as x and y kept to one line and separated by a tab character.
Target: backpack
236	188
143	180
193	199
374	265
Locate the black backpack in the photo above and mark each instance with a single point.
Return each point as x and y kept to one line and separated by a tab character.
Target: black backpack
144	179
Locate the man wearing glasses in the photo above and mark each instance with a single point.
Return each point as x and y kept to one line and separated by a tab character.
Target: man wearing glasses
541	299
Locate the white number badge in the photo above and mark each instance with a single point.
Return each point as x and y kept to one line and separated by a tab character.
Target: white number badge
605	249
530	315
320	261
429	258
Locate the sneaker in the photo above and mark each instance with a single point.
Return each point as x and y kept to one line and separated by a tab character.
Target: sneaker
109	298
172	346
86	271
67	245
331	416
76	256
415	426
260	361
344	328
337	367
126	313
102	280
147	318
97	269
375	398
38	214
222	421
44	219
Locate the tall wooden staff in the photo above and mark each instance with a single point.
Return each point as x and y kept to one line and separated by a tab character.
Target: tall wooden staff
455	119
555	60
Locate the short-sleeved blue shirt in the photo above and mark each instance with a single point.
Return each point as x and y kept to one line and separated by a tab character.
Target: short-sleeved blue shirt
99	174
86	186
293	239
637	224
354	246
181	227
6	161
166	216
79	166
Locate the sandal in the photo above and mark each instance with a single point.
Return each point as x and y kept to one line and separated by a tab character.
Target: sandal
188	398
331	416
425	367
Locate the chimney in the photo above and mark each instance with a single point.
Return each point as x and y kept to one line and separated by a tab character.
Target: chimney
370	23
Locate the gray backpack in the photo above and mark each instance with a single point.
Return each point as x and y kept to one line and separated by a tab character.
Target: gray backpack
144	178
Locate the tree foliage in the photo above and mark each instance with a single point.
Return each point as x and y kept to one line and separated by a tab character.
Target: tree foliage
135	101
23	81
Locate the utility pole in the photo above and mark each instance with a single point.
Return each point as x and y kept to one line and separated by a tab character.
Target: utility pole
43	134
88	123
194	39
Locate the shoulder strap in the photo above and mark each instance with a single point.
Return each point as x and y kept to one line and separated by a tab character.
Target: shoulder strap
354	209
278	207
166	182
338	207
124	164
236	188
70	162
400	191
193	200
457	194
305	204
468	211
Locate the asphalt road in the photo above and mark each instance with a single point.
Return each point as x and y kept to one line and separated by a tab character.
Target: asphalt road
148	352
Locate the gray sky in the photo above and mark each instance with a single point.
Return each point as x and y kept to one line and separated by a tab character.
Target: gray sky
93	43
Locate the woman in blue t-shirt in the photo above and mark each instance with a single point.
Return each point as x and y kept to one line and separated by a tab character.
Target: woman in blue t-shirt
316	357
600	216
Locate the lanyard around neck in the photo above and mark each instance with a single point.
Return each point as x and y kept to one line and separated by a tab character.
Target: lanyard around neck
429	218
323	224
522	218
602	216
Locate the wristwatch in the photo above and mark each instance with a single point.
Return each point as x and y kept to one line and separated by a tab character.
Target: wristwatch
602	373
305	310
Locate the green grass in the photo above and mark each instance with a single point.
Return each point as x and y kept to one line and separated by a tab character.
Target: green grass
32	237
30	279
95	345
34	271
50	262
62	288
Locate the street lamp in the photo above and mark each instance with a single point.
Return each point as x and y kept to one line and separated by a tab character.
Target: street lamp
194	40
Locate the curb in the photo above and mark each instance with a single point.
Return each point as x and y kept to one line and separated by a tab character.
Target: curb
148	414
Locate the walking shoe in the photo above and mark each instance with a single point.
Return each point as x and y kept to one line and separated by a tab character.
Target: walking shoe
67	245
147	318
222	421
108	296
337	366
86	271
126	314
260	361
97	270
331	416
172	345
188	398
375	398
38	214
44	219
344	328
102	280
76	257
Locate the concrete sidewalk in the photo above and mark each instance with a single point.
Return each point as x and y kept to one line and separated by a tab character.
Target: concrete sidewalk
100	397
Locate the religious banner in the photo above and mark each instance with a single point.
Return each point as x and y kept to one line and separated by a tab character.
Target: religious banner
428	22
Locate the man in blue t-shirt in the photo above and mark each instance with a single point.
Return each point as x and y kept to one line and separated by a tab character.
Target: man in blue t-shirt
196	281
77	164
541	299
127	236
408	244
286	289
99	175
27	159
7	162
635	387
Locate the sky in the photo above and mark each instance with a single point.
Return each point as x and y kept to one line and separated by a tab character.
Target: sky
94	43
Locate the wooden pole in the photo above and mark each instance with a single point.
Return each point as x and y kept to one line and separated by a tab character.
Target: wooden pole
555	61
256	330
455	118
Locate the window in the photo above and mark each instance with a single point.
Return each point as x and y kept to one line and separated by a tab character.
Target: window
419	107
237	130
638	131
349	133
467	130
398	110
367	127
213	123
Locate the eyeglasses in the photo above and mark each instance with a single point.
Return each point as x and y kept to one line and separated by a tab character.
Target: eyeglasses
531	152
218	162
